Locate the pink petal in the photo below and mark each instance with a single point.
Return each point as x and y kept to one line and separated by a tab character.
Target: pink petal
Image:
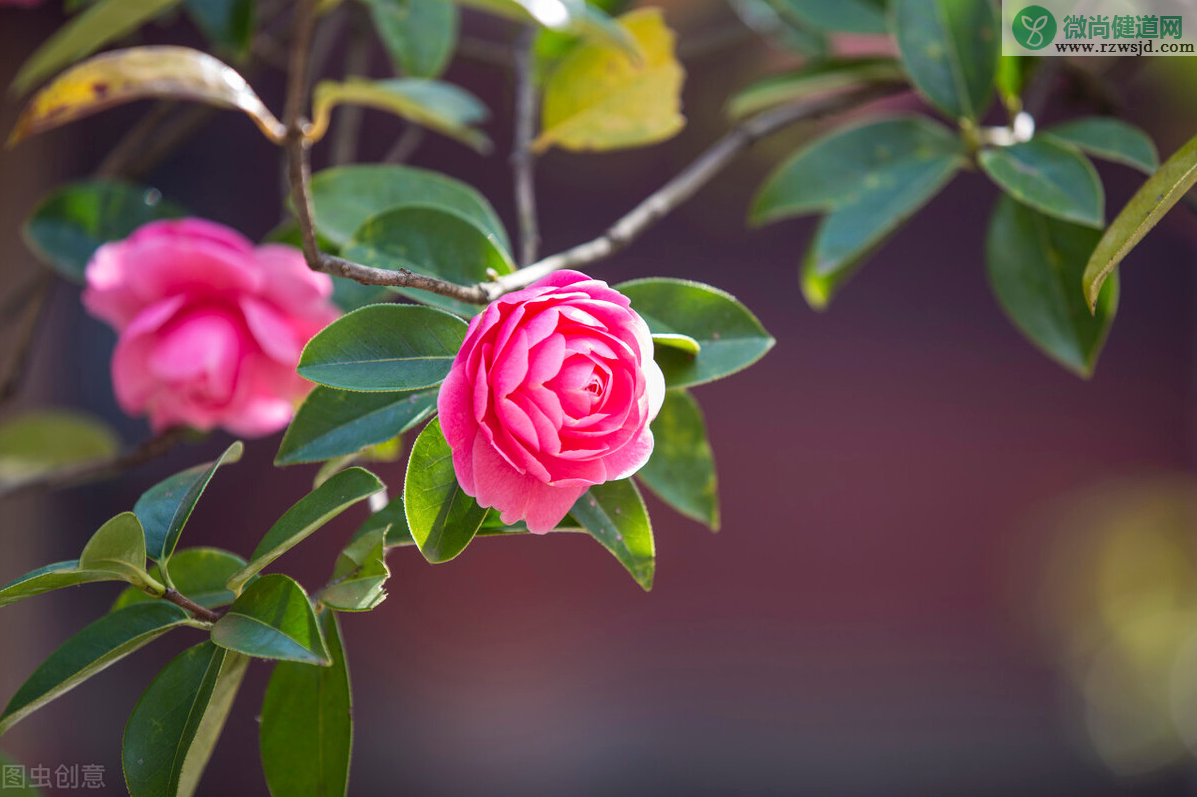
272	331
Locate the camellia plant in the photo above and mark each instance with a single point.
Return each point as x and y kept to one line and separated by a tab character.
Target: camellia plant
390	301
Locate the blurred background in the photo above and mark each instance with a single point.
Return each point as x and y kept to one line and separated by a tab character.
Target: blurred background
946	565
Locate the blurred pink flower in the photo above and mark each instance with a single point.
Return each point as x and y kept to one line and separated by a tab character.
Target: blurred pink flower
210	326
552	392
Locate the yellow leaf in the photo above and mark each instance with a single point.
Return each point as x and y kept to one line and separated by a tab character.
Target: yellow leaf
121	76
434	104
599	99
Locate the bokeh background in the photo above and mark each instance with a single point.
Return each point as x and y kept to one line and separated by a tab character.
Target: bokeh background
947	566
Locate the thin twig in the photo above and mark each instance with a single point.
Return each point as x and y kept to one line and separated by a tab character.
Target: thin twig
713	42
405	145
18	300
93	471
483	51
348	128
133	145
197	611
523	160
686	184
14	372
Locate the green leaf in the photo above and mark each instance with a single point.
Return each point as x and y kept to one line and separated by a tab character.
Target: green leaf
359	575
333	423
346	196
40	441
176	723
599	98
99	24
434	241
198	573
1110	139
847	166
49	578
420	35
273	619
729	336
681	471
839	16
1144	210
682	343
441	517
614	514
391	519
1050	176
1011	76
819	77
225	23
950	49
384	348
306	735
778	24
118	548
330	499
73	221
870	179
100	644
1035	265
442	107
165	507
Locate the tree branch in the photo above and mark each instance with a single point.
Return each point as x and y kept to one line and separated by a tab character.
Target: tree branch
197	611
523	160
93	471
686	184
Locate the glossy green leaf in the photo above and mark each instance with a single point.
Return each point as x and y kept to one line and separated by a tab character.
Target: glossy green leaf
100	644
359	576
681	471
682	343
839	16
199	573
73	221
1144	210
117	548
49	578
614	514
391	519
165	507
950	49
855	165
384	348
273	619
346	196
1011	76
1050	176
441	517
40	441
174	727
334	423
307	515
1110	139
729	336
436	105
434	241
306	736
419	35
1035	265
817	78
102	22
226	23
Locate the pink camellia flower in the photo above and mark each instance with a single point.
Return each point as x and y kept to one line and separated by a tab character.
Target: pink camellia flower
552	392
210	326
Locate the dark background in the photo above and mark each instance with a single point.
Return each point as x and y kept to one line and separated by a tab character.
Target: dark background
868	620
